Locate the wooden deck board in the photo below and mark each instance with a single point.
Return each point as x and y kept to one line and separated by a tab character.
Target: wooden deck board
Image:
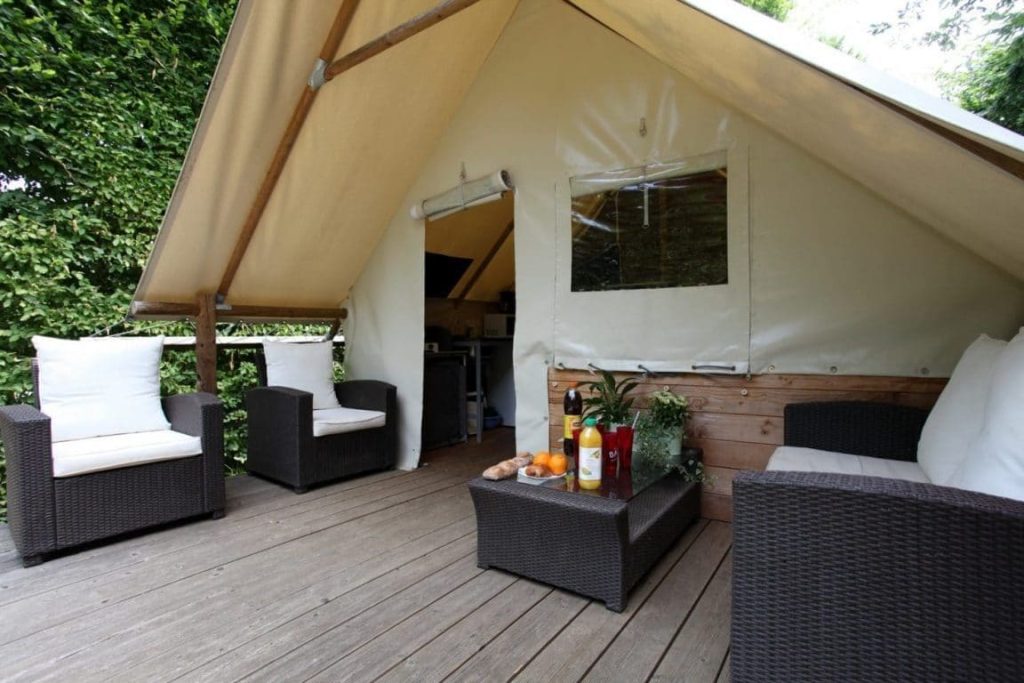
171	579
589	635
19	582
373	578
635	653
698	650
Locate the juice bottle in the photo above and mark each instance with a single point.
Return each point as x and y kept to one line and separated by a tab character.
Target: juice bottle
589	460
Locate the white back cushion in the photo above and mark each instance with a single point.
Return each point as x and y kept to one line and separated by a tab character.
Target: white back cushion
306	366
995	464
958	415
100	387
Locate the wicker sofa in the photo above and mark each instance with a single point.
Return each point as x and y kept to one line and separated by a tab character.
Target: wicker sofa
847	577
283	448
47	513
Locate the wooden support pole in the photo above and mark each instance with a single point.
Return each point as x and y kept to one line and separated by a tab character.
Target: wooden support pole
284	147
397	35
486	261
332	331
206	343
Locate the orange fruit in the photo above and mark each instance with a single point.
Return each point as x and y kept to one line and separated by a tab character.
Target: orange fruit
558	463
542	458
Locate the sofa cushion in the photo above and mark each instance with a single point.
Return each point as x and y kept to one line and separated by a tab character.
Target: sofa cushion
958	415
341	420
995	462
81	456
795	459
303	366
100	387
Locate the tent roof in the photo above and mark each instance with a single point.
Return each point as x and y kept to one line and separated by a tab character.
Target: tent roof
357	154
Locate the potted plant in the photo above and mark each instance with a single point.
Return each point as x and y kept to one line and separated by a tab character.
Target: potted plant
652	456
610	401
668	412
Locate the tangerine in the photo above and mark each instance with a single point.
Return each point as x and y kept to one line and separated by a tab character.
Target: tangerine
558	463
542	458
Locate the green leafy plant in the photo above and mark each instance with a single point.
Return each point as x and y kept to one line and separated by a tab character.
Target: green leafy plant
651	456
97	105
611	402
991	82
668	409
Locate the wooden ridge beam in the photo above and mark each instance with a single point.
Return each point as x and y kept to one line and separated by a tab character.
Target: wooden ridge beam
284	148
397	35
152	309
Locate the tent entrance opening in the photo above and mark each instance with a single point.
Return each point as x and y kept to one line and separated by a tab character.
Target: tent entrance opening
470	312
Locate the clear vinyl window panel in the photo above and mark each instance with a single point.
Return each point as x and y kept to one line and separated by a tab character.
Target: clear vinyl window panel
651	227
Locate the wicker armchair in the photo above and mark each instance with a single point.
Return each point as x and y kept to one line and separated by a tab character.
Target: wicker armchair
281	444
842	577
47	514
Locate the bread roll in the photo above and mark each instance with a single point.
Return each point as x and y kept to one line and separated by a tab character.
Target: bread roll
522	459
503	470
539	471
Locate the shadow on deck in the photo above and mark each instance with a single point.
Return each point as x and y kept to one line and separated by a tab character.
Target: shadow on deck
371	578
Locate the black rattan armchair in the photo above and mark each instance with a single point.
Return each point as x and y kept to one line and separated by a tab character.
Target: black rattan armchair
843	577
282	446
47	514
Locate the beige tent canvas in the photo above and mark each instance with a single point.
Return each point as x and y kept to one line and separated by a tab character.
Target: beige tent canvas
865	228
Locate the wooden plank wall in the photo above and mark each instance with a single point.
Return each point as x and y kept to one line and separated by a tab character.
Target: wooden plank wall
739	421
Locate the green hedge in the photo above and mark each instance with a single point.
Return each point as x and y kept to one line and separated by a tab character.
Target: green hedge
98	99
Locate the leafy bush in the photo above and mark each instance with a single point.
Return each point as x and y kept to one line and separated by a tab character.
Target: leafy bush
97	106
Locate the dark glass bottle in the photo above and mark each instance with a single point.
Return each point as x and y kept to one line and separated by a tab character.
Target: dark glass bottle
572	406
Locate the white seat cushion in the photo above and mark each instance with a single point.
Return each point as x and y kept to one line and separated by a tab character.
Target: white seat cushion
100	386
81	456
303	366
341	420
958	415
995	461
794	459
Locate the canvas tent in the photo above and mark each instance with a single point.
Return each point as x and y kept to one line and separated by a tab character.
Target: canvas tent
872	230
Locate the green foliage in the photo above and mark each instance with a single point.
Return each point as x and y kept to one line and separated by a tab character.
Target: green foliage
652	456
611	403
991	84
776	9
98	99
668	409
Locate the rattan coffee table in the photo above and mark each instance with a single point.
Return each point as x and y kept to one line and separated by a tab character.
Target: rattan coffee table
595	543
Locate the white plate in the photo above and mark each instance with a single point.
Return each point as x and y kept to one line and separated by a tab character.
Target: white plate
526	479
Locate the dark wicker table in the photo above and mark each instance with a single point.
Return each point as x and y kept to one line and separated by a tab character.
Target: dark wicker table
595	543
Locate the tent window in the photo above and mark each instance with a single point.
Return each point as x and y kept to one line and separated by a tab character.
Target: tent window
645	230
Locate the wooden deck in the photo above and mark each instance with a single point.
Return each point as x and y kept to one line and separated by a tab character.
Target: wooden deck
373	578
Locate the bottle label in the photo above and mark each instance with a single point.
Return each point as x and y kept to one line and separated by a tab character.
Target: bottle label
590	464
569	423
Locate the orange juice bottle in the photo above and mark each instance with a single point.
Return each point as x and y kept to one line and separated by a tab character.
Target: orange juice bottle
589	456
